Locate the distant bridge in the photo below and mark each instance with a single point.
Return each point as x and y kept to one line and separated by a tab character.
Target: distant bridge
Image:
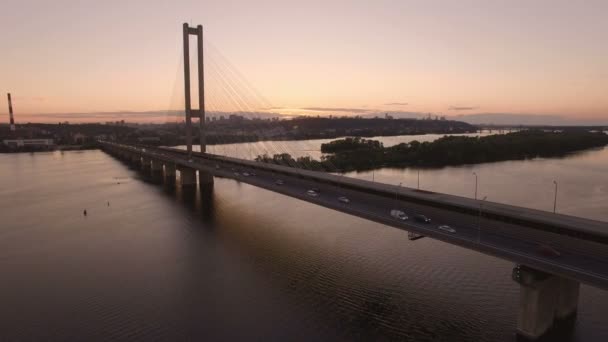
553	253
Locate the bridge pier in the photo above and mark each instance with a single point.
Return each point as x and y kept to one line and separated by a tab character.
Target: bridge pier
156	168
170	174
187	176
135	159
146	163
545	301
156	165
205	178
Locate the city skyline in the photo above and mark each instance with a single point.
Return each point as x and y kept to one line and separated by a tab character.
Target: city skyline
348	58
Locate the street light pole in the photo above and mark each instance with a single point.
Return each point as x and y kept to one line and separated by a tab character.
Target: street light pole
396	192
418	179
475	174
555	197
479	220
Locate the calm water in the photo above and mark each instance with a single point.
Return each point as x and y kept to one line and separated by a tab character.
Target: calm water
311	148
244	263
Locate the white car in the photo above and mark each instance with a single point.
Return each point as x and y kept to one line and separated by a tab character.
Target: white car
398	214
343	199
245	174
279	182
312	193
448	229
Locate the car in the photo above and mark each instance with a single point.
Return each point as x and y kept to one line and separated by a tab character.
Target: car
398	214
312	193
190	160
279	182
548	251
245	174
343	199
217	166
447	228
316	190
236	173
421	218
252	174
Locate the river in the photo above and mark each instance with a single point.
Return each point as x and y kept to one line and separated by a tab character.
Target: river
151	262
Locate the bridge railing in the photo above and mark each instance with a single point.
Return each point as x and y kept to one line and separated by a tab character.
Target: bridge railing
582	228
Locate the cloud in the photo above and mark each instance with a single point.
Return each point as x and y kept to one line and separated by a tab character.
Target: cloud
462	108
272	108
396	104
336	109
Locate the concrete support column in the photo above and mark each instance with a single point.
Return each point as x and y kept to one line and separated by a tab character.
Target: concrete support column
157	169
146	163
170	173
205	178
544	298
567	304
135	158
187	176
156	166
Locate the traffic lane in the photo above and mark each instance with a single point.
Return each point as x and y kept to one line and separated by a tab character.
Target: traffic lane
378	205
524	248
266	180
331	194
464	222
575	263
467	221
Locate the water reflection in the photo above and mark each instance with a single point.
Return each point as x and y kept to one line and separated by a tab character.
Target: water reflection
236	262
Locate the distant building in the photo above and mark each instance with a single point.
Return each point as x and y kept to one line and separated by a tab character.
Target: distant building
15	143
234	117
79	138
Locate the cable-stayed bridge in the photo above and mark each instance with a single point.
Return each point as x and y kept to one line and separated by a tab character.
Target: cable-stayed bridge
553	253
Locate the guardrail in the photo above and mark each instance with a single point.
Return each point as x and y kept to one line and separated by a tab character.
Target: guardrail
577	227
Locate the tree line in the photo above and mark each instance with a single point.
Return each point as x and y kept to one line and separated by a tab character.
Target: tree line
355	153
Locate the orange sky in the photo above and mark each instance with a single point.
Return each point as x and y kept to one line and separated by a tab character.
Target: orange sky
446	57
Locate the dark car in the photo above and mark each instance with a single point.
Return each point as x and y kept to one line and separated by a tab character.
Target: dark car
422	219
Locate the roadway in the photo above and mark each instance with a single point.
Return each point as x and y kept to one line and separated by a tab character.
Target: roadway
580	259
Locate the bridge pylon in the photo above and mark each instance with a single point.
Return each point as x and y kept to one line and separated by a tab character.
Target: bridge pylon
200	113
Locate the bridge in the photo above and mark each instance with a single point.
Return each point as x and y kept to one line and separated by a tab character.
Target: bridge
552	253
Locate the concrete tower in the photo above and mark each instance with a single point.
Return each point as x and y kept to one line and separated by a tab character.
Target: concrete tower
10	111
198	32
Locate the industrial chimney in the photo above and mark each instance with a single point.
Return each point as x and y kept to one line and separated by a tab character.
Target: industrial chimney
10	111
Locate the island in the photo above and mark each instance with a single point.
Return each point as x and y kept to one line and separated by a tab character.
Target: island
356	153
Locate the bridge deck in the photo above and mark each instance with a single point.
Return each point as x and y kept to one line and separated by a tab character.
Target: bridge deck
509	232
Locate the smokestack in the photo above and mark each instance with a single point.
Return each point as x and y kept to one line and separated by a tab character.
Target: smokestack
10	111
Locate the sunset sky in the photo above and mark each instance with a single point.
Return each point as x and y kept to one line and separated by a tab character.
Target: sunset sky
341	57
